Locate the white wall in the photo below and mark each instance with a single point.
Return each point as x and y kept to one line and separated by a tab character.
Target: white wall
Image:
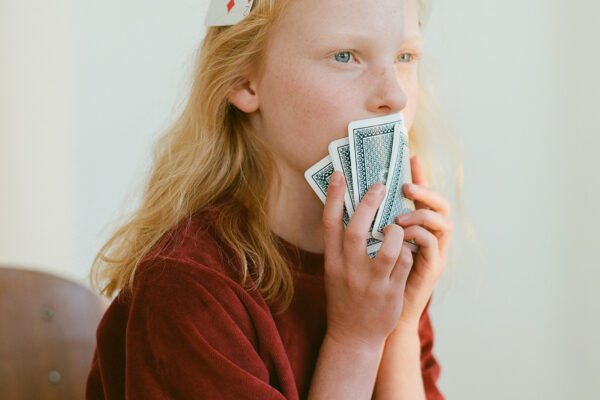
581	211
519	84
38	78
87	86
135	57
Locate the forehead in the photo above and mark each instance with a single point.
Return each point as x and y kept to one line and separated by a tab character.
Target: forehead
313	20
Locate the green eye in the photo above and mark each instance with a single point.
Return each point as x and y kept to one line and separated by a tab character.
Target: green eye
343	57
405	58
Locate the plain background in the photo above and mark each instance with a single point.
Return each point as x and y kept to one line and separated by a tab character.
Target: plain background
87	86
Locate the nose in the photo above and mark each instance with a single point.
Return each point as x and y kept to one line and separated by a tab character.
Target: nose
387	95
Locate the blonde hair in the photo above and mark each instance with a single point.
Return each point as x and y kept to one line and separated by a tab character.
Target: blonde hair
210	154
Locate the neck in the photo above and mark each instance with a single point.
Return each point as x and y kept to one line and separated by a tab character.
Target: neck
295	214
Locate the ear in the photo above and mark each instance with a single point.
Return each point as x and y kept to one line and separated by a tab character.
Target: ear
244	97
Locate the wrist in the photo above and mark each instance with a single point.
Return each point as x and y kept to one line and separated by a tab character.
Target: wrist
355	345
405	329
399	374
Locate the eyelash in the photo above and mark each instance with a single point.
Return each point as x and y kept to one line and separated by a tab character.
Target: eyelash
414	56
343	52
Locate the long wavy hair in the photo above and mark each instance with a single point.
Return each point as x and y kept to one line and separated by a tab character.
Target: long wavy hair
211	153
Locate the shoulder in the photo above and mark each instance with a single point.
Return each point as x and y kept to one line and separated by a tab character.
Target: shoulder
192	247
188	325
187	279
190	263
191	241
190	296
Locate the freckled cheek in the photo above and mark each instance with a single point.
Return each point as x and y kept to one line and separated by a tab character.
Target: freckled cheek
319	117
319	107
326	107
317	98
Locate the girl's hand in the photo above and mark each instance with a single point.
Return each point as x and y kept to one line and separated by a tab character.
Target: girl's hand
364	296
431	228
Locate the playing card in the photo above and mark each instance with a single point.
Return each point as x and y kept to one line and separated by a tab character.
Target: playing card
339	151
227	12
317	177
371	143
394	203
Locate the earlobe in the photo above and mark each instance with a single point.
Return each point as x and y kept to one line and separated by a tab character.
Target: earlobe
244	97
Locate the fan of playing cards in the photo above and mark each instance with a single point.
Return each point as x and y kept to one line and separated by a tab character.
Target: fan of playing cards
376	150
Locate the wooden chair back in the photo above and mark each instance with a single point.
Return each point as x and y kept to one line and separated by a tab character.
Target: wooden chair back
47	335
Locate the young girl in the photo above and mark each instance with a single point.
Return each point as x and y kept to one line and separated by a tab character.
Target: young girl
233	281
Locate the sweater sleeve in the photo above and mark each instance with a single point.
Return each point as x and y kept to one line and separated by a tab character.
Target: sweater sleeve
430	368
191	335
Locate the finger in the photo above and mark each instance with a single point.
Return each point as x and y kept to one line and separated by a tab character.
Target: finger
427	198
418	177
428	244
333	225
429	219
358	228
418	173
403	265
390	248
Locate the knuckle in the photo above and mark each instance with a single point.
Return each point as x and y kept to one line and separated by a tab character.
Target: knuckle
353	235
433	240
352	282
386	256
329	222
406	255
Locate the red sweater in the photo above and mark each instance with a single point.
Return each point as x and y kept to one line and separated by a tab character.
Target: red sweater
190	331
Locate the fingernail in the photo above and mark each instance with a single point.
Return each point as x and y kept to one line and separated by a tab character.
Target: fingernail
336	178
411	187
401	217
377	188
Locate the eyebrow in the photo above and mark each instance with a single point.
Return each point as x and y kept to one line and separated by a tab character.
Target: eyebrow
411	40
